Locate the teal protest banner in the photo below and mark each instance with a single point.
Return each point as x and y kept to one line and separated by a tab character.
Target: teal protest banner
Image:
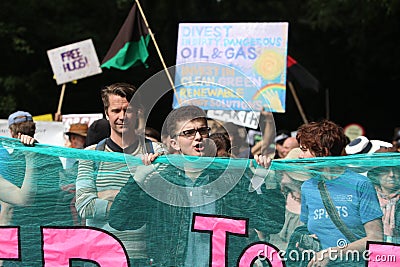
42	230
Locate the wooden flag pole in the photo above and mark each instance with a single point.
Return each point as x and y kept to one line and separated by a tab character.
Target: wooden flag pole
157	48
327	109
296	99
58	114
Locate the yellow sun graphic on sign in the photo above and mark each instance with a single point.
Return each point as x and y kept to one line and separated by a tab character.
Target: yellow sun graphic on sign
269	64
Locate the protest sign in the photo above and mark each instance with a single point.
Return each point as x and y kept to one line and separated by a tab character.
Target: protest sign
236	66
52	132
248	119
74	61
69	119
44	117
47	132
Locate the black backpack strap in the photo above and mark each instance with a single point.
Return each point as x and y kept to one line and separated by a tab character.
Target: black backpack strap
149	145
100	146
333	213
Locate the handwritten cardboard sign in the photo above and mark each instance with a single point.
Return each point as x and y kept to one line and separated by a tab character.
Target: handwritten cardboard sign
73	62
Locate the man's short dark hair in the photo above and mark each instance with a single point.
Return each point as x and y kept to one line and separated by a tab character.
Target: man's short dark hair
184	113
124	90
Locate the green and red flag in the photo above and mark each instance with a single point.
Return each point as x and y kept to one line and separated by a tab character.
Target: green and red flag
129	47
301	76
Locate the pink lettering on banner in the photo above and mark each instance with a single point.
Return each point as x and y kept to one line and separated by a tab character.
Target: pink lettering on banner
383	254
84	243
262	251
219	226
9	242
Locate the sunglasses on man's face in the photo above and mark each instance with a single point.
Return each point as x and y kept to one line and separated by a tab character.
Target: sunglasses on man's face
191	133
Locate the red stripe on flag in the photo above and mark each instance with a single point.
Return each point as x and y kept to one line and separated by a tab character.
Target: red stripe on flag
290	61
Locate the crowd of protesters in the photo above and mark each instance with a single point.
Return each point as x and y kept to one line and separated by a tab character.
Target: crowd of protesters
110	196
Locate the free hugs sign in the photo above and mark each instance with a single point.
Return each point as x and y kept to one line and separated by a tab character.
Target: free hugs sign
73	62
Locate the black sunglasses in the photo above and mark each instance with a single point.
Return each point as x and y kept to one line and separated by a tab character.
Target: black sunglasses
203	131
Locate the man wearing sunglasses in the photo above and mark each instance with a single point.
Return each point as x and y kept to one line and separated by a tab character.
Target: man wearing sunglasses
169	197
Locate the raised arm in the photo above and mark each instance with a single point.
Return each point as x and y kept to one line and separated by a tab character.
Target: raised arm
268	146
11	193
14	195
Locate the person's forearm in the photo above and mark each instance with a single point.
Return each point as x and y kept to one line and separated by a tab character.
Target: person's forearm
268	136
6	213
374	233
28	188
87	202
14	195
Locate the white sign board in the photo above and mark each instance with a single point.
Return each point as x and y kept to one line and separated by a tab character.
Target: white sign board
47	132
52	132
69	119
73	62
248	119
